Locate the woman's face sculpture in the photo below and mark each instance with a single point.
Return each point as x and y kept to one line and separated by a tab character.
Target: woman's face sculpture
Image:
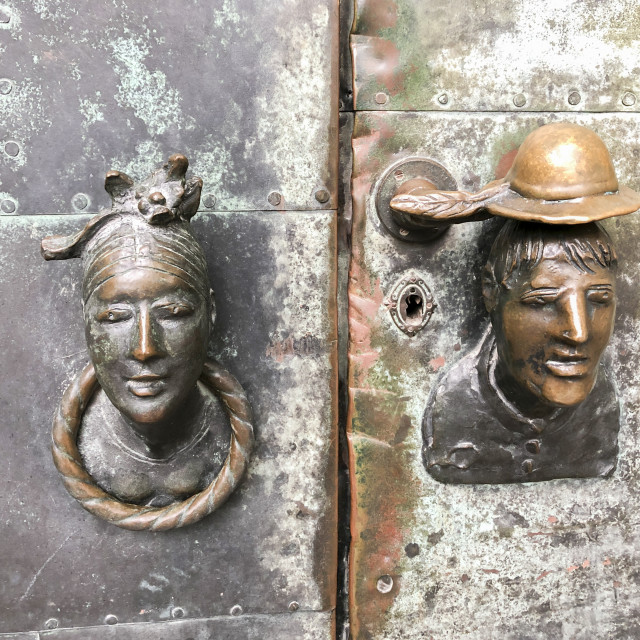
147	333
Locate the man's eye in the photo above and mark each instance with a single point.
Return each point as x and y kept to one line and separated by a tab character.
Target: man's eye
600	296
110	316
539	300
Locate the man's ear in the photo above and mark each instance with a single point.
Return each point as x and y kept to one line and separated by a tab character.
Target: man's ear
212	305
489	289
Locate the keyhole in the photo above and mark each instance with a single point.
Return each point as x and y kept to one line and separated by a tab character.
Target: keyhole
413	306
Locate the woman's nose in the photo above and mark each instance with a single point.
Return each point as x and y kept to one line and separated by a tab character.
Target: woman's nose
145	343
575	320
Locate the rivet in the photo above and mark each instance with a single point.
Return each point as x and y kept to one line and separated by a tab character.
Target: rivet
443	98
209	200
403	232
527	466
177	613
294	606
574	98
110	619
236	610
8	206
80	201
412	550
384	584
520	100
12	149
5	87
322	195
381	97
51	623
274	198
628	99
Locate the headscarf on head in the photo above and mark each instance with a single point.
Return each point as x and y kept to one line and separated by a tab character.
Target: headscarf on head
147	226
129	243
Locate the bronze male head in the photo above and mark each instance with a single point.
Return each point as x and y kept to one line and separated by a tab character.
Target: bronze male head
550	293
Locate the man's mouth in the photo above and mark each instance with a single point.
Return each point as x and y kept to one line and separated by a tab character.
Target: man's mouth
568	365
146	385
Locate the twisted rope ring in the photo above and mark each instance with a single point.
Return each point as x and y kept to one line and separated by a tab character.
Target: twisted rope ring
84	489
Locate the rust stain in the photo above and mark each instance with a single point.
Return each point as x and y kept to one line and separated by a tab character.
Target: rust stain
573	568
376	511
373	15
544	574
606	562
491	571
586	564
365	299
437	363
552	520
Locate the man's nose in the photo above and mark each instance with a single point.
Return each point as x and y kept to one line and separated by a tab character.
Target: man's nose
145	344
575	328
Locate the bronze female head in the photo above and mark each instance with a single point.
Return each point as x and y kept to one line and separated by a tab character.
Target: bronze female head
149	410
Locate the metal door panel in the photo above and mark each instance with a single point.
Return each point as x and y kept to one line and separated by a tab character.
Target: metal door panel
301	625
86	87
547	560
271	547
496	55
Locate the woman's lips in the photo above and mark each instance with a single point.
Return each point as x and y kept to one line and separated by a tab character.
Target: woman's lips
146	385
568	366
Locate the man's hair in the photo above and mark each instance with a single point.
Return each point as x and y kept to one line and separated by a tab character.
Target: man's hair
519	248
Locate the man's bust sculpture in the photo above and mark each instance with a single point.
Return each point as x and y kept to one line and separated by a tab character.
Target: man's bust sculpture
532	401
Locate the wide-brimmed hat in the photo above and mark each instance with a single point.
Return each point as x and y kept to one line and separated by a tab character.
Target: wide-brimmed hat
562	174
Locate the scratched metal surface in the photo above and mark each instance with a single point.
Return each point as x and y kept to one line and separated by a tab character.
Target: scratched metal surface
496	55
542	561
298	626
246	89
274	541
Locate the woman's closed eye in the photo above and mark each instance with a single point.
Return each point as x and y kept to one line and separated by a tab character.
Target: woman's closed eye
111	315
173	310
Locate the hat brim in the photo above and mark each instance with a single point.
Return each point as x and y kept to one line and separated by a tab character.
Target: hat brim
511	204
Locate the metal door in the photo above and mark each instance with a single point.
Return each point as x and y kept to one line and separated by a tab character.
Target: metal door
462	84
247	90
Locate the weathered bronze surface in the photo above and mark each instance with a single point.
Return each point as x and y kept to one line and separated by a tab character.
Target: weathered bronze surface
154	449
530	402
119	84
498	55
520	560
274	541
